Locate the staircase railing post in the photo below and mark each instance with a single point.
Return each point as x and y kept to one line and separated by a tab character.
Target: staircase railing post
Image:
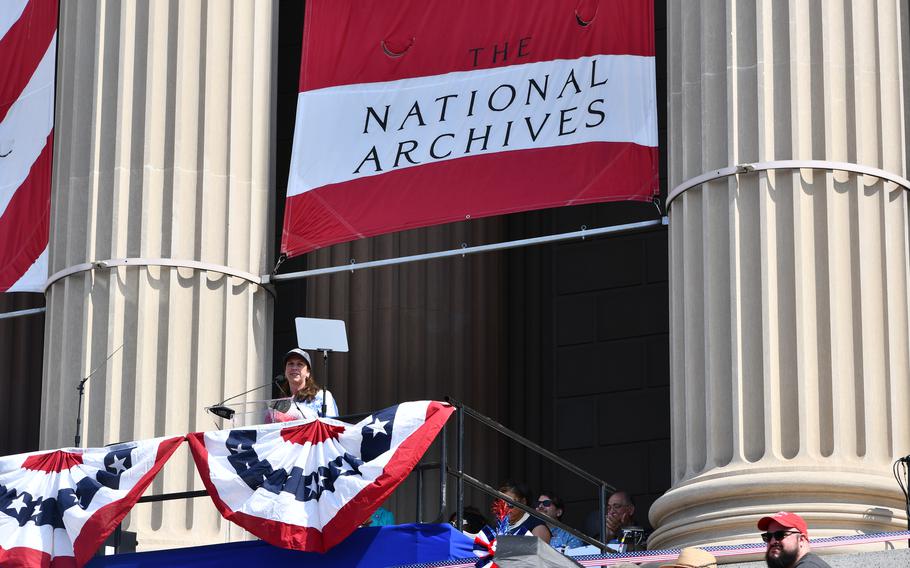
460	457
443	472
603	516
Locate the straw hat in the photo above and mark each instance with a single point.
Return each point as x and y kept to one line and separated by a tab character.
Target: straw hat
693	558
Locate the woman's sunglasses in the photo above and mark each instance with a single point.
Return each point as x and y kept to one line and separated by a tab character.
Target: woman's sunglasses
544	503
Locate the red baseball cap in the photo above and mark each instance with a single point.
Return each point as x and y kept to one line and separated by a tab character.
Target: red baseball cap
785	519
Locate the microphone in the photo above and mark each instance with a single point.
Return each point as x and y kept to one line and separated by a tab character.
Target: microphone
222	411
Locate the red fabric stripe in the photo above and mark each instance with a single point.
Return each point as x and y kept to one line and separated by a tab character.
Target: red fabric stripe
25	223
313	432
103	522
22	48
21	557
343	39
443	192
52	462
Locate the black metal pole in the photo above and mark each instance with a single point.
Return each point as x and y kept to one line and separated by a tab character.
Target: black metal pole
419	494
443	474
325	366
81	389
603	516
460	483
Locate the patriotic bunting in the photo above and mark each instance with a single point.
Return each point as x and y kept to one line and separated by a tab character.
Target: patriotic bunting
308	485
56	508
485	548
303	485
28	47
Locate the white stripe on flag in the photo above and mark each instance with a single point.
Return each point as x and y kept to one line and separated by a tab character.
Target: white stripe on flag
34	278
11	11
601	98
23	133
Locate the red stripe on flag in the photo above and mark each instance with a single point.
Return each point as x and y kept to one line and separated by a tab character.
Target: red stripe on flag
313	432
22	48
23	557
25	223
448	191
52	462
103	522
347	42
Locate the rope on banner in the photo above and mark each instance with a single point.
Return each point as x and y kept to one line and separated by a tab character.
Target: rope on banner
20	313
166	262
465	250
784	165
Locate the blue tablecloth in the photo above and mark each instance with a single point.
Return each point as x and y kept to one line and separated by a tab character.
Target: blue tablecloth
366	548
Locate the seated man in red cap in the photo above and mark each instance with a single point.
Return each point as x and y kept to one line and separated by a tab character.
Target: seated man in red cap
788	542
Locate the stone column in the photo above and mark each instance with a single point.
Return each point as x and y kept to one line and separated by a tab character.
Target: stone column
163	149
790	352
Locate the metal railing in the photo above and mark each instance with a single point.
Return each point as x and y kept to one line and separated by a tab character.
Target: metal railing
461	411
461	477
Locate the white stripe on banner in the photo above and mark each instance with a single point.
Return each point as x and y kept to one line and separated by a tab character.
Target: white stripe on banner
24	130
34	278
12	10
353	131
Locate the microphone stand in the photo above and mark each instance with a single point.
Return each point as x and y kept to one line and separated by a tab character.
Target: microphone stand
284	391
325	394
81	388
227	413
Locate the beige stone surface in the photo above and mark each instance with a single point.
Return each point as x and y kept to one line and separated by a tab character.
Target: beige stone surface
790	361
163	149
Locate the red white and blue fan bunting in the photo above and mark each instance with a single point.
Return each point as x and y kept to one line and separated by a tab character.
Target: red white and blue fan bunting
56	508
308	485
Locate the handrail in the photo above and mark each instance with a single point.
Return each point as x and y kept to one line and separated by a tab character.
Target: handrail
477	484
529	444
173	496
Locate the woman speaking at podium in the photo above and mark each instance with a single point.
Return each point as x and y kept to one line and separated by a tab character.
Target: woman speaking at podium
306	395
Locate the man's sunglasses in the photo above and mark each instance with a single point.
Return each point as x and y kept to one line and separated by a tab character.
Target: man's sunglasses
779	536
544	503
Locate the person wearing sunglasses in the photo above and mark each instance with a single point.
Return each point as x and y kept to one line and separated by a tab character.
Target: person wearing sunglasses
787	537
550	505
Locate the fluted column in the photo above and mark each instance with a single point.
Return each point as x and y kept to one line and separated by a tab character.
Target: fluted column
164	149
790	351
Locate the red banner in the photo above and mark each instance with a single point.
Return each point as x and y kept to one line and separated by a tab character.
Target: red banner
28	46
415	113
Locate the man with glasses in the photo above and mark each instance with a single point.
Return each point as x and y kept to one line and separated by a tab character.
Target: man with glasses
788	542
620	510
622	532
